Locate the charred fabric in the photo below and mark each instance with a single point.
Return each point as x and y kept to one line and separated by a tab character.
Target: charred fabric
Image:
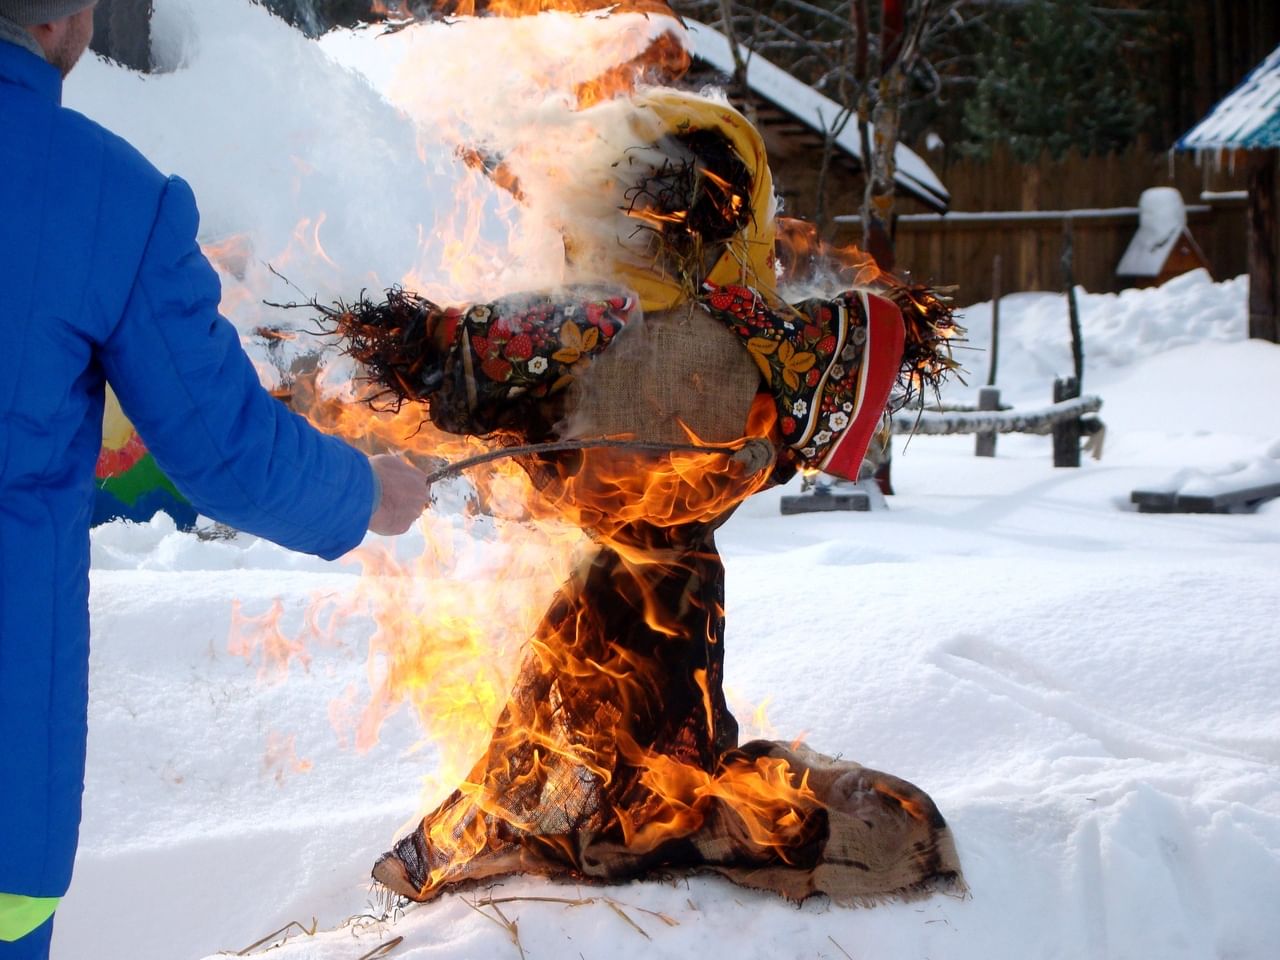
616	755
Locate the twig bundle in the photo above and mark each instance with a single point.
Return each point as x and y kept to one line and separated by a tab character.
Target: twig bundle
930	332
394	339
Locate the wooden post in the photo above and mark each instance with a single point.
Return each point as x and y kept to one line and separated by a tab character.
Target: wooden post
1073	308
1066	433
1264	271
995	321
984	444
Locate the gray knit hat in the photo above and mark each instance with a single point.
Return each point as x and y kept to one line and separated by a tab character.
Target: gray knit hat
26	13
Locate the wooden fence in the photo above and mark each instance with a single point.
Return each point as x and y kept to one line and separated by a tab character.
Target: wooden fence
1020	212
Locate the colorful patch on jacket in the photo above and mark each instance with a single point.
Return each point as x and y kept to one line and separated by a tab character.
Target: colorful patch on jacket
830	365
114	462
138	494
122	448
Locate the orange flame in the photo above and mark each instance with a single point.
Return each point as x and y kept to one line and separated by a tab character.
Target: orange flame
663	62
764	793
804	255
261	638
281	757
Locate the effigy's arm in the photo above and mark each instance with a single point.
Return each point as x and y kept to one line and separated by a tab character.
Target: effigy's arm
832	365
484	367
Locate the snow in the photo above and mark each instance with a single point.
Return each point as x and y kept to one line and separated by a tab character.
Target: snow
1258	473
815	110
1162	219
1249	116
1087	692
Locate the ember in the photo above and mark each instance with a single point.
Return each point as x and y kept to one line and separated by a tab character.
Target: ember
616	753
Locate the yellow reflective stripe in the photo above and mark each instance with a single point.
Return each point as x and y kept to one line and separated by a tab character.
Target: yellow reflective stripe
21	915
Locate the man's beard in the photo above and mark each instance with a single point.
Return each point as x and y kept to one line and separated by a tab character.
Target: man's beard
74	43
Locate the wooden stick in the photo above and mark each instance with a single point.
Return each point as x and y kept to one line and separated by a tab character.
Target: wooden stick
275	933
382	949
1066	430
557	446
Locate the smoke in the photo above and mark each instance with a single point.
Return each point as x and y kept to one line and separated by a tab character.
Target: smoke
364	159
504	93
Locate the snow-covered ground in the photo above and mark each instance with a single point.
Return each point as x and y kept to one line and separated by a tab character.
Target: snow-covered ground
1090	694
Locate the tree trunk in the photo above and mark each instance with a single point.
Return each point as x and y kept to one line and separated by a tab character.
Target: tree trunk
741	89
877	205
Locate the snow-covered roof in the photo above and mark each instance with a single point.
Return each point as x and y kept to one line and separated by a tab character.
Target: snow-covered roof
1162	218
811	108
1248	117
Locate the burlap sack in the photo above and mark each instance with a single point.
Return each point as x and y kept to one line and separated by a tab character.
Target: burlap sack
669	370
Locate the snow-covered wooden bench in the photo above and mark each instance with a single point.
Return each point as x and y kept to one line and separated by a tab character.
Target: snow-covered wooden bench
1238	489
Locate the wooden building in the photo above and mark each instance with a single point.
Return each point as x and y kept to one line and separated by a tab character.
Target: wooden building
1243	129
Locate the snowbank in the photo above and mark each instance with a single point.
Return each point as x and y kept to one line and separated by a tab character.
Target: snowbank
1117	329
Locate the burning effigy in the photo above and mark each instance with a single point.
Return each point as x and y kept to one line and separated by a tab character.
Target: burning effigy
646	402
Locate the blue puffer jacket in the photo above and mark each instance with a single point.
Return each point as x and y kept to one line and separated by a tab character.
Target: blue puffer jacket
101	280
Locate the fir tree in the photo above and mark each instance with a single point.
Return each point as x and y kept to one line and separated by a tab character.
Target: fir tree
1053	74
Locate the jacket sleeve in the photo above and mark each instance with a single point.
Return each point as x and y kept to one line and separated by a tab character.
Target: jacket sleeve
235	451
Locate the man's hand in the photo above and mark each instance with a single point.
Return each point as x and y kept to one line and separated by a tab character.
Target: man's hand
405	493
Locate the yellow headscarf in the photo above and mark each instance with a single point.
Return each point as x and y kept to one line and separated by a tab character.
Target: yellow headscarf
748	257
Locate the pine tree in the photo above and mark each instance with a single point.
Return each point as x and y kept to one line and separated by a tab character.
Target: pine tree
315	17
1053	74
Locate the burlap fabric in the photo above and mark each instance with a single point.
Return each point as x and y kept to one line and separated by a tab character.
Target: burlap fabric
874	836
860	836
671	370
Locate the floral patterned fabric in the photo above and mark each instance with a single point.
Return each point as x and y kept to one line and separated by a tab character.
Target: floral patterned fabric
500	357
830	365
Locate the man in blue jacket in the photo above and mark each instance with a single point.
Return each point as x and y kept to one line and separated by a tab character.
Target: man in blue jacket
101	281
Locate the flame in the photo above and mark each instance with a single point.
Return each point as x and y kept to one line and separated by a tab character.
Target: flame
281	757
768	799
451	625
613	492
663	62
231	254
261	637
805	256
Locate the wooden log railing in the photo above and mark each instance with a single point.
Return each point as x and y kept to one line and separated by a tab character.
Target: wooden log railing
1066	420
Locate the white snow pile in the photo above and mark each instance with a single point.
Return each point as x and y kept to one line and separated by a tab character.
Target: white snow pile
1088	693
1118	330
1162	218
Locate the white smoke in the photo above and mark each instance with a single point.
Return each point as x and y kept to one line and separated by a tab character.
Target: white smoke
341	161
